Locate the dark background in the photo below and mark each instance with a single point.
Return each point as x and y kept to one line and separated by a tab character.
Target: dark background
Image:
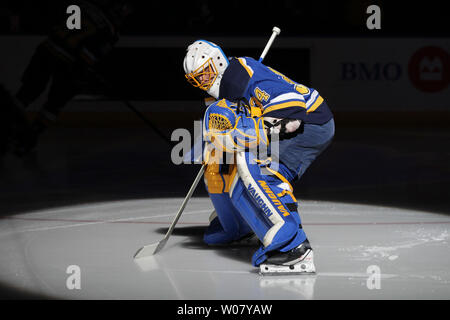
245	18
403	162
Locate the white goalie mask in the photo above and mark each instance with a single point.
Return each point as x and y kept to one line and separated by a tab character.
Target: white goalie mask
204	65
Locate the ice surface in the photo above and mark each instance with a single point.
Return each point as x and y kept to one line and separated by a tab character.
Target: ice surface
409	248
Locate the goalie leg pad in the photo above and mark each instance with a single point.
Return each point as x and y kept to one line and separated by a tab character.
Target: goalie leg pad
268	210
228	225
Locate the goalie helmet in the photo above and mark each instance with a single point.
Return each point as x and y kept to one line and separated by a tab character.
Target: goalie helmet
204	65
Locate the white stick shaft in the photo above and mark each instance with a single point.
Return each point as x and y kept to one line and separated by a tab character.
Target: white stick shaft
275	31
186	199
153	248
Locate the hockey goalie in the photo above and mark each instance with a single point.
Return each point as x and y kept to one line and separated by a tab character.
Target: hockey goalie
249	196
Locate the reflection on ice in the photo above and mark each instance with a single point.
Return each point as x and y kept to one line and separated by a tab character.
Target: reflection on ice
301	285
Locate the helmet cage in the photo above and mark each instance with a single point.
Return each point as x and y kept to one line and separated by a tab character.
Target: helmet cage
206	69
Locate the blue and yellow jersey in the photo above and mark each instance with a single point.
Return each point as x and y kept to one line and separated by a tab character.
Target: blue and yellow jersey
271	92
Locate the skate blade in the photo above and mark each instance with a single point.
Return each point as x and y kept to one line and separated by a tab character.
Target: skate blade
306	266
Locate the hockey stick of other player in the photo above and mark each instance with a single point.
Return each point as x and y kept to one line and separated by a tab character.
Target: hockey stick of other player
148	122
153	248
113	91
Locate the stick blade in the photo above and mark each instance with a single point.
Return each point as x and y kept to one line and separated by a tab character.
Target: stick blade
146	251
149	249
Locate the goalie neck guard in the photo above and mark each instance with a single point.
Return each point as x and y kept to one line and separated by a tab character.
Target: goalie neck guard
204	65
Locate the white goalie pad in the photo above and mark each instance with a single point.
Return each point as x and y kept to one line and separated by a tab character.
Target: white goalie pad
248	180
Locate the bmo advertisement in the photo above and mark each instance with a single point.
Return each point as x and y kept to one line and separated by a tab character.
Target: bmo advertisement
383	74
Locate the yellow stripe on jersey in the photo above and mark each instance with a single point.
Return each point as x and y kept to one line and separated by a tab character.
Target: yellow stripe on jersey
249	71
315	105
284	105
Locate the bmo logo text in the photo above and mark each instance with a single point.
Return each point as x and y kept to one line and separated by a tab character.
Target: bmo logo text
429	69
371	71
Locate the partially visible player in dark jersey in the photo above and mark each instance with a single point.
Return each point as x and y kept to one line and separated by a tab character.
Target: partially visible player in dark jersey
69	61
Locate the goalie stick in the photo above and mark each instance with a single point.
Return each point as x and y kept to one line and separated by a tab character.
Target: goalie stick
153	248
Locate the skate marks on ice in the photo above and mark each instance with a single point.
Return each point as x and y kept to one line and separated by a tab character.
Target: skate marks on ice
38	247
410	240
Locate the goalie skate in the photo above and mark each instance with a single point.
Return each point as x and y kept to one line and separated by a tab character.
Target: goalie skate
297	261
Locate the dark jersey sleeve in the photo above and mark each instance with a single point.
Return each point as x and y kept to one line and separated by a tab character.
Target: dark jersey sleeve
234	81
